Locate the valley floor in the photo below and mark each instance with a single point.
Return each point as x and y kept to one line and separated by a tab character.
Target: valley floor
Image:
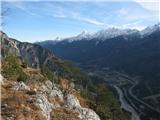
125	105
124	86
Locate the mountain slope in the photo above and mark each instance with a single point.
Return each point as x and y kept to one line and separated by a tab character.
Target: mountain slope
137	54
38	85
37	98
36	56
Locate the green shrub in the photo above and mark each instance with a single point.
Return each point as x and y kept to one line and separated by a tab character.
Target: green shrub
24	65
70	71
22	77
47	73
11	68
107	106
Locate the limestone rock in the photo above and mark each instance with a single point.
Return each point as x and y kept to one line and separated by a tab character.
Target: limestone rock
20	86
56	93
46	87
1	80
72	101
43	103
84	113
51	90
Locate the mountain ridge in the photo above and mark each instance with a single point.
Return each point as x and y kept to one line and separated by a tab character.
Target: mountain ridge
132	54
108	33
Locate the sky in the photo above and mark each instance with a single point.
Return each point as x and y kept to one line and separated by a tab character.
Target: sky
37	20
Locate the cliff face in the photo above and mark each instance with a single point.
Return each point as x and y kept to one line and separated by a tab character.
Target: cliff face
34	55
27	92
8	47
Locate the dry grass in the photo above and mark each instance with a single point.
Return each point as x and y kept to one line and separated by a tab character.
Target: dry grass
20	105
64	114
64	83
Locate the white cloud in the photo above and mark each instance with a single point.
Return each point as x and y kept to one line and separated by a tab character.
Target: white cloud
123	11
21	6
65	12
91	21
134	25
58	14
76	16
153	5
141	16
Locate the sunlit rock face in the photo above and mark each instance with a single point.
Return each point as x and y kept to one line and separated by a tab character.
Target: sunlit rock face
44	105
84	113
34	55
20	86
70	101
8	47
1	80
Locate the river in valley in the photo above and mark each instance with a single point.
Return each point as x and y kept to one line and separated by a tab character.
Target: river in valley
125	105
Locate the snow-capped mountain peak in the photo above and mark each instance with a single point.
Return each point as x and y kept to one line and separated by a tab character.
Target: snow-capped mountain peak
102	34
82	35
113	32
150	29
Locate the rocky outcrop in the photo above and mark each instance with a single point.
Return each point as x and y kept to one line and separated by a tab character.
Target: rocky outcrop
70	101
51	90
34	55
20	86
87	114
43	103
56	93
84	113
8	47
1	79
47	91
48	98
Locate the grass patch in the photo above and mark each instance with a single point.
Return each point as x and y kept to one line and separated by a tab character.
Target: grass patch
47	73
12	70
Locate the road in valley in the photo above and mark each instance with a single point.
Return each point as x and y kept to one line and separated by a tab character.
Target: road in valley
143	103
125	105
143	109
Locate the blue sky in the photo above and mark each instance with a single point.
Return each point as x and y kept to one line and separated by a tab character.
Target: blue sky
40	20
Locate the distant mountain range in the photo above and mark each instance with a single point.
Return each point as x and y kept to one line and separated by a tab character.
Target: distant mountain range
108	33
134	52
